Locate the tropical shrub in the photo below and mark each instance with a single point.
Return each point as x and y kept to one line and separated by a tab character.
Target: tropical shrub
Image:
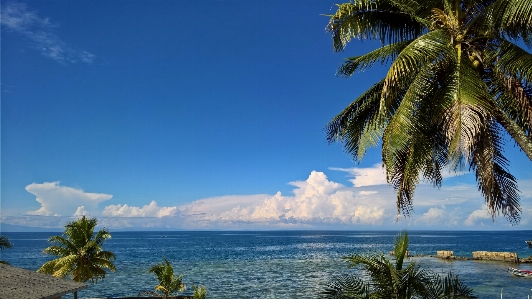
4	244
383	278
168	282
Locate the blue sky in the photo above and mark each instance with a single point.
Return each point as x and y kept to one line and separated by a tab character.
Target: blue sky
196	115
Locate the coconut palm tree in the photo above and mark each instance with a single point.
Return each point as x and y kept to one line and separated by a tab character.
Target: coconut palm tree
459	83
390	279
200	292
168	283
4	244
80	254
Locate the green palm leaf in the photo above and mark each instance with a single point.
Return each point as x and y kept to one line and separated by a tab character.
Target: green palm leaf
369	19
358	125
363	62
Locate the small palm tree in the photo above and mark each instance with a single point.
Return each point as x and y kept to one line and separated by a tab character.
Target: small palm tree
389	279
4	244
80	253
200	292
168	283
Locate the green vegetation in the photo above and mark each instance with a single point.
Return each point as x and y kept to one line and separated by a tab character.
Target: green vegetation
4	244
392	280
80	254
457	84
200	292
168	283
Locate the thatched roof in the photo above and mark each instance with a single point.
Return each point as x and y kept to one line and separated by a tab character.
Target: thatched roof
25	284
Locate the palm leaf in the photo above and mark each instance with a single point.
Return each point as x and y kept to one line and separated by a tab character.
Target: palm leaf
512	18
514	61
496	184
346	286
383	55
358	126
426	49
371	19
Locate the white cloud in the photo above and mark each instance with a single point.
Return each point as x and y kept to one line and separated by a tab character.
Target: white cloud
439	216
81	212
17	18
375	175
58	200
151	210
368	192
316	200
526	216
433	215
478	217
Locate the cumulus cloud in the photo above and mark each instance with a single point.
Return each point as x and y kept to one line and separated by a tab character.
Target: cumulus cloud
439	216
59	200
151	210
315	200
40	32
375	175
526	216
478	217
81	212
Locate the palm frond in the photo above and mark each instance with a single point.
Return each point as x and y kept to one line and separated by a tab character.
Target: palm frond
346	286
371	19
514	61
514	99
426	49
412	142
467	111
512	18
449	286
47	268
518	134
496	184
400	249
383	55
358	125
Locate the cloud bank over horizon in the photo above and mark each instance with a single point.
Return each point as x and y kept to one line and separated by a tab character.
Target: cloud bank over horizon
315	203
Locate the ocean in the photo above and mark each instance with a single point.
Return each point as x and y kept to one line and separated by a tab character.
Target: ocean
281	264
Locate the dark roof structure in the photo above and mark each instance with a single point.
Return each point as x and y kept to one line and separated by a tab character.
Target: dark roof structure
25	284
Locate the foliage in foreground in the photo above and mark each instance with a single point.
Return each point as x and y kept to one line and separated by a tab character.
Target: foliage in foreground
80	254
168	282
387	279
458	84
4	244
200	292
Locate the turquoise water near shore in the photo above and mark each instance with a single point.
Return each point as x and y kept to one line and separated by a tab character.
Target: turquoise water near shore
281	264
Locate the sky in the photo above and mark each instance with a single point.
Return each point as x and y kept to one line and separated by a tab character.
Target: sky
169	115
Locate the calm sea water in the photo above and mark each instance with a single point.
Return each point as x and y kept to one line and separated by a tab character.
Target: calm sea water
280	264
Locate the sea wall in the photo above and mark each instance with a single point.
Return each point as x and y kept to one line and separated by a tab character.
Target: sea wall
496	256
